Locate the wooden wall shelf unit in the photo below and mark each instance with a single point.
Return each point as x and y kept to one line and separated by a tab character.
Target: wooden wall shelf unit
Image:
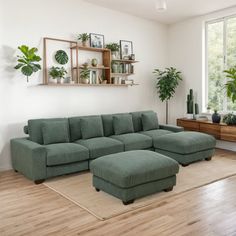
219	131
75	67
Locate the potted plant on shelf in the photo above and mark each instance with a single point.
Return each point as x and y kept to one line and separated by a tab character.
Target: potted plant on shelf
57	74
84	75
114	47
28	61
84	37
167	82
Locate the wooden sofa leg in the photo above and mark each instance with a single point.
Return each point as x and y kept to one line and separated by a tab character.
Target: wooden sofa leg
98	190
208	158
128	202
16	171
39	181
184	165
168	189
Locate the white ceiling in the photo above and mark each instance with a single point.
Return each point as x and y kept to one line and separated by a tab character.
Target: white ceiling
177	10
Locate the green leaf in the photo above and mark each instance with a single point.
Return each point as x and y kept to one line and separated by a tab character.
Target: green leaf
27	70
61	57
18	66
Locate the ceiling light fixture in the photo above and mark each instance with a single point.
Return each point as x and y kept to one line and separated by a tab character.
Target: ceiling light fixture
161	5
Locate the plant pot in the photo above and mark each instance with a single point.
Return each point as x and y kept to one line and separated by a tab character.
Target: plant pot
189	116
60	80
216	118
85	81
85	43
115	55
94	62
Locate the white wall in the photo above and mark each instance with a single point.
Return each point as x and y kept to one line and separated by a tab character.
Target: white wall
26	22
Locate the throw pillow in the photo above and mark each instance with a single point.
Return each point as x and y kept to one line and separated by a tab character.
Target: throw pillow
123	124
91	127
55	132
150	121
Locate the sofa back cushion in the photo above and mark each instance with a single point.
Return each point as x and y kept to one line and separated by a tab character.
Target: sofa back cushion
91	127
137	120
107	121
55	132
123	124
75	130
150	121
35	129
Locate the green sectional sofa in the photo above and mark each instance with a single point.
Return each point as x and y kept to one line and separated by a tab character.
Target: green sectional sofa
66	145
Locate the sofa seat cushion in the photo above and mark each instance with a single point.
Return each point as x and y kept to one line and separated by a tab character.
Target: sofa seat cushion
101	146
65	153
129	169
134	141
156	133
185	142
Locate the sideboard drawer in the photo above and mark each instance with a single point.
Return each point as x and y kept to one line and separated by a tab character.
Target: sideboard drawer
188	125
210	129
228	133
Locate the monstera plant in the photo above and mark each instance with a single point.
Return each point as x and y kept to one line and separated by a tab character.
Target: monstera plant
27	62
61	57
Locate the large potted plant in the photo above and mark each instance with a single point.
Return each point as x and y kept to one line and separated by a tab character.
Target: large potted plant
57	74
115	48
231	83
167	82
28	61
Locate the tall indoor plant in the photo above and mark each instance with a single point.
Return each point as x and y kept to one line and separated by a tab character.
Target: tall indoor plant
167	82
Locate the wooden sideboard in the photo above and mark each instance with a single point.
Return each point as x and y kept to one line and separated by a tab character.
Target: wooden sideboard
219	131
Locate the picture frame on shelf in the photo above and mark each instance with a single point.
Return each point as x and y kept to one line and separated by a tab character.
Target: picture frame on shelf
96	40
126	49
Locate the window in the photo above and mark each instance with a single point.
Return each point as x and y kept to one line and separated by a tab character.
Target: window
220	55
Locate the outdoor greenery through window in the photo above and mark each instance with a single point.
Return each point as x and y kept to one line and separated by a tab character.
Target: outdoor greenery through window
221	55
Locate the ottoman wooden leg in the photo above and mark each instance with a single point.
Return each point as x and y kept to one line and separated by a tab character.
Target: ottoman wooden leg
98	190
208	158
168	189
184	165
128	202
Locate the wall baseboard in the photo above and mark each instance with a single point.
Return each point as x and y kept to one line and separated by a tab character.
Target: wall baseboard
226	145
4	168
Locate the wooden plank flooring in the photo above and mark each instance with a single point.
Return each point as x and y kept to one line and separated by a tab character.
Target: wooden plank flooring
28	209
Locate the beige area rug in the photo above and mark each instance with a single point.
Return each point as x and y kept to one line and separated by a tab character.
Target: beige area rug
78	187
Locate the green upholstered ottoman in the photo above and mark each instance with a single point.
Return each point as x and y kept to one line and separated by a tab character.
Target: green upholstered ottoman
134	174
186	147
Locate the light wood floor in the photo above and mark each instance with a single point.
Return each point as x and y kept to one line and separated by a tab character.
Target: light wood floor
28	209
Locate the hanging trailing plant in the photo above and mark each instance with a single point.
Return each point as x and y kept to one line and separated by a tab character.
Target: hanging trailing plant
61	57
27	61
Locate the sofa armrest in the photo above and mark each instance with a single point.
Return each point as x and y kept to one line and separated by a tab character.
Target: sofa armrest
172	128
29	158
